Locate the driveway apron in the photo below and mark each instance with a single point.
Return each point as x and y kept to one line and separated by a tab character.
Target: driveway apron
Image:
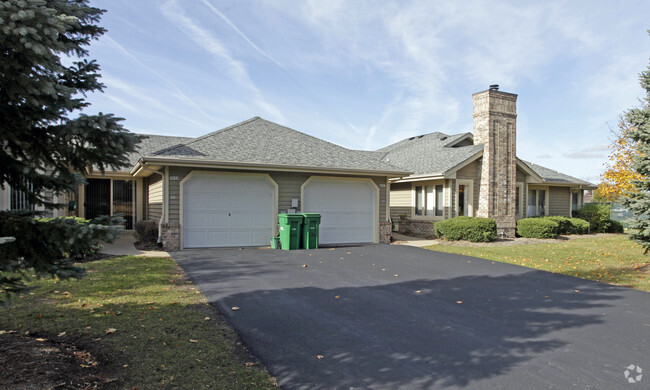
398	317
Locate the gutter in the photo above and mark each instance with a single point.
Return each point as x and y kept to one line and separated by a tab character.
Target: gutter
261	166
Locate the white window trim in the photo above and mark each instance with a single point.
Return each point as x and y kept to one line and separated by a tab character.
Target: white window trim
470	198
433	217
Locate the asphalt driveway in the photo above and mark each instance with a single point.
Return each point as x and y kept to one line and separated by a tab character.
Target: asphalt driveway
388	317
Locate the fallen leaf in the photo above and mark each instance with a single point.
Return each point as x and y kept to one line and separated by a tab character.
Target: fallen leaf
331	249
546	297
418	291
207	318
235	308
61	334
194	341
576	290
396	275
337	296
341	258
305	266
41	339
348	253
383	269
459	302
110	331
320	357
249	364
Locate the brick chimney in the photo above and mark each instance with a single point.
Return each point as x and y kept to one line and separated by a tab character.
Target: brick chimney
495	126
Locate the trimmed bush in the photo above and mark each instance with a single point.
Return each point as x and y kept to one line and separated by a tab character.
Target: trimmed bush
537	228
467	228
579	226
597	214
570	225
146	231
615	227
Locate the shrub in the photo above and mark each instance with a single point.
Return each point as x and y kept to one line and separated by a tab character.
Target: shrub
597	214
467	228
615	227
146	231
537	228
49	246
564	225
579	226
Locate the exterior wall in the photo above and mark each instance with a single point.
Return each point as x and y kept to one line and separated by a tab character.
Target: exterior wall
400	200
559	201
417	228
154	198
289	187
472	172
495	126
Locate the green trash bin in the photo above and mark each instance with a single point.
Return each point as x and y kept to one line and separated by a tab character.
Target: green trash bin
310	225
290	230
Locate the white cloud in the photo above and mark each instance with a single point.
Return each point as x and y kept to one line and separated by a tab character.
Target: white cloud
212	45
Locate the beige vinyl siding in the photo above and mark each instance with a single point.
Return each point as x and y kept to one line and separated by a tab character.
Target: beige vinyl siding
154	197
400	200
288	188
176	174
471	172
558	201
521	176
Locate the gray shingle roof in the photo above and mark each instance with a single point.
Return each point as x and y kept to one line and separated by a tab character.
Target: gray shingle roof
153	143
428	154
551	176
259	141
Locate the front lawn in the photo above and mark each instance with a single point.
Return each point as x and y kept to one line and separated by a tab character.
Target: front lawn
610	259
148	323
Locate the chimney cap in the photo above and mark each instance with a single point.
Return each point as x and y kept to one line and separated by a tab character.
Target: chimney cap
494	87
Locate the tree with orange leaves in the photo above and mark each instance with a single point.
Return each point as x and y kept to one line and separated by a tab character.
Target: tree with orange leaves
620	175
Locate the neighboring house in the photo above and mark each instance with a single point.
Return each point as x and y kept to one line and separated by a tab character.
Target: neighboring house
476	174
226	188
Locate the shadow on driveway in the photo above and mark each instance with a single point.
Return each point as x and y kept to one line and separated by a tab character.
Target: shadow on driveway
397	317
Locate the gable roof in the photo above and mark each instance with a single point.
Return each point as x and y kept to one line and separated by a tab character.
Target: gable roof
429	154
150	144
435	154
258	142
551	176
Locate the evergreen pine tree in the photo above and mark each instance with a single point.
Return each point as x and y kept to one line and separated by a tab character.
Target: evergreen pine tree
45	139
639	201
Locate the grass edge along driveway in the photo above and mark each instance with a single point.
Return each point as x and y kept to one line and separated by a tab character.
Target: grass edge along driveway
149	322
613	259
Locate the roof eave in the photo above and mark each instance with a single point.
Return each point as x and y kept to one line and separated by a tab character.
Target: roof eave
249	165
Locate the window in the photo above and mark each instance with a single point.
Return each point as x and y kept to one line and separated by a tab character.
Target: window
464	198
536	203
429	200
19	199
574	201
439	200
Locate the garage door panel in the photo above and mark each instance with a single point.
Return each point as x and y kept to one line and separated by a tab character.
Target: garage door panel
347	209
227	210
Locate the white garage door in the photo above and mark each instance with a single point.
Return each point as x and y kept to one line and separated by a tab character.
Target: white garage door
227	210
347	209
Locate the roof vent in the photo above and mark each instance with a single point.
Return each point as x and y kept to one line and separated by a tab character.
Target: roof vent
443	138
494	87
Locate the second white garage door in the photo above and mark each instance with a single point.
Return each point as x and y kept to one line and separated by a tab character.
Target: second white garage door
221	210
347	209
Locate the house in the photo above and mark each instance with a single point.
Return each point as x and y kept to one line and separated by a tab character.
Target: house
476	174
226	188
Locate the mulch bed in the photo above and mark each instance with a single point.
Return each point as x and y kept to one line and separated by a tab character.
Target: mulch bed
52	362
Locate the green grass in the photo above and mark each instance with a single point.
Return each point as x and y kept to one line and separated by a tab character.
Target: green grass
612	259
165	333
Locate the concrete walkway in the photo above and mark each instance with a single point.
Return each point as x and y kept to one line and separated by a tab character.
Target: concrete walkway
401	239
123	246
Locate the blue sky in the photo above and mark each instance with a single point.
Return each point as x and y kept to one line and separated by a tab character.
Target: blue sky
364	74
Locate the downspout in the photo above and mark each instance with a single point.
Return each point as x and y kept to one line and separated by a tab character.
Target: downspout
162	212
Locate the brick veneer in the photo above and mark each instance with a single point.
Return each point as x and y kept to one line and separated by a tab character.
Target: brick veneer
384	232
171	236
414	228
